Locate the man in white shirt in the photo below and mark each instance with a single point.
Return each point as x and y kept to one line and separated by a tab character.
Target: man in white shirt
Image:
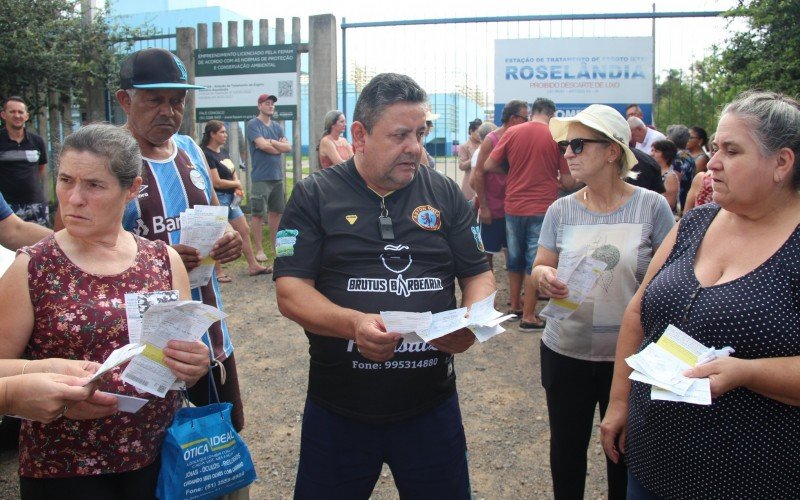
644	136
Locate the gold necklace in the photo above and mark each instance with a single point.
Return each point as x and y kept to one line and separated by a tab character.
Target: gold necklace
614	204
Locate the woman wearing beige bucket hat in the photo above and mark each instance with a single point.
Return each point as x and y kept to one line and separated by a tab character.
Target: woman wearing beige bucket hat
620	225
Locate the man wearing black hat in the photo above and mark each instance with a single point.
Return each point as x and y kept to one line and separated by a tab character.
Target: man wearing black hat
267	143
175	177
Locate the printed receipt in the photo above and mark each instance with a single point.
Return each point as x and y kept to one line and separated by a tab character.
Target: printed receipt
483	320
185	320
580	273
201	227
662	364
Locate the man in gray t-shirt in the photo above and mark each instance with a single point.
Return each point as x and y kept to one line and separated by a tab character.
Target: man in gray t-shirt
267	144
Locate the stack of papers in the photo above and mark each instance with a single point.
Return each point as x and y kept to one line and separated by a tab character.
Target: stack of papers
184	320
201	227
483	320
662	365
580	273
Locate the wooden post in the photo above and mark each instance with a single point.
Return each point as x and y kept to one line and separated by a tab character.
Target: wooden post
233	129
322	72
297	138
186	40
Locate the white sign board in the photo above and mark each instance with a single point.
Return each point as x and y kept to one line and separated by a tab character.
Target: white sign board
234	77
576	72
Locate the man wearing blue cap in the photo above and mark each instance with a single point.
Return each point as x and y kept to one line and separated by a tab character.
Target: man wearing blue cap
175	177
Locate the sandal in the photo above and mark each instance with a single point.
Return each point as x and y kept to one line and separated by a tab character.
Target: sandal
532	326
224	278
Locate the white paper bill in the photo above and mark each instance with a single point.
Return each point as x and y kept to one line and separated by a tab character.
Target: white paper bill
406	324
128	404
116	358
662	366
137	303
201	227
579	273
483	320
184	320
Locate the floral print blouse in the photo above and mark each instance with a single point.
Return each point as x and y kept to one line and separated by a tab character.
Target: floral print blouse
78	315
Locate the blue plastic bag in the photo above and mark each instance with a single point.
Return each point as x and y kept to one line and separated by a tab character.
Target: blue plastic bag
202	456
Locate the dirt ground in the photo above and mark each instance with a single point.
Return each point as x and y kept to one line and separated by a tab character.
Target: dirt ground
502	402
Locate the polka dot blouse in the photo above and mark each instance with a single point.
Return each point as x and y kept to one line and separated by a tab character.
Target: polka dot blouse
744	445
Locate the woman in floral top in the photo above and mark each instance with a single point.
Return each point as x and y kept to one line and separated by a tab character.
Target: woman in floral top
65	297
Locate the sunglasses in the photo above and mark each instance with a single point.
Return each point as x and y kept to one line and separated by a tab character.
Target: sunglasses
577	144
524	117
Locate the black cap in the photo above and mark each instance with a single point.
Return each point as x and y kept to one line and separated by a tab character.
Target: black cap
154	69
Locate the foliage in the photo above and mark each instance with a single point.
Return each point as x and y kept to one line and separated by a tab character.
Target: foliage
764	56
47	47
681	98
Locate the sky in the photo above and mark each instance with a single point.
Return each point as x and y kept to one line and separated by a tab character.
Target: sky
673	50
372	10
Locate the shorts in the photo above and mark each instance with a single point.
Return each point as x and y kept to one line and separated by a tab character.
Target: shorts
341	458
522	234
267	196
38	213
225	199
494	235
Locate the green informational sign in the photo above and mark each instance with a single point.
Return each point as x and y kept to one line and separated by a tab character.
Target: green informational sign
234	77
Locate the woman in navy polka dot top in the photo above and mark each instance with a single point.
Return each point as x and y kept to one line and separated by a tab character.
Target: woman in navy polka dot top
728	276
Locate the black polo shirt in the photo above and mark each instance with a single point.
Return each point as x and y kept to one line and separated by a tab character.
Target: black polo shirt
19	168
329	233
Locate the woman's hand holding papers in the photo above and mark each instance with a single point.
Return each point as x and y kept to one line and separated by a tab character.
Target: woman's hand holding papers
549	285
188	360
724	374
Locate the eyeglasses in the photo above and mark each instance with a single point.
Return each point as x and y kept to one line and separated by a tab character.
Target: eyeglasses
577	144
522	117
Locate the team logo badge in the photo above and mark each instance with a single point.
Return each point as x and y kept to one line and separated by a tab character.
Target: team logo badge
427	217
285	240
351	219
197	179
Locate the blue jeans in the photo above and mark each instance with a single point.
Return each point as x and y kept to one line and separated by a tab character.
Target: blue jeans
636	491
225	199
341	458
522	235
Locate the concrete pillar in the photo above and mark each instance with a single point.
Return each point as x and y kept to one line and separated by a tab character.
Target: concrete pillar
322	76
297	141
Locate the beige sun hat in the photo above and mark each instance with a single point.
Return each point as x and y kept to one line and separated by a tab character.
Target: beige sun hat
604	119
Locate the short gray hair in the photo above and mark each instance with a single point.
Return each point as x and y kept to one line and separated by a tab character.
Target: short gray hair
485	128
636	123
774	122
383	91
111	142
679	135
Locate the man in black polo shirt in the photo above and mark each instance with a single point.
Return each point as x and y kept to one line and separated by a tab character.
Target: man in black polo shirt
379	233
23	157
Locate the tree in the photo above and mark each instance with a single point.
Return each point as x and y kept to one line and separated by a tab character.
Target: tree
765	56
48	50
682	98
